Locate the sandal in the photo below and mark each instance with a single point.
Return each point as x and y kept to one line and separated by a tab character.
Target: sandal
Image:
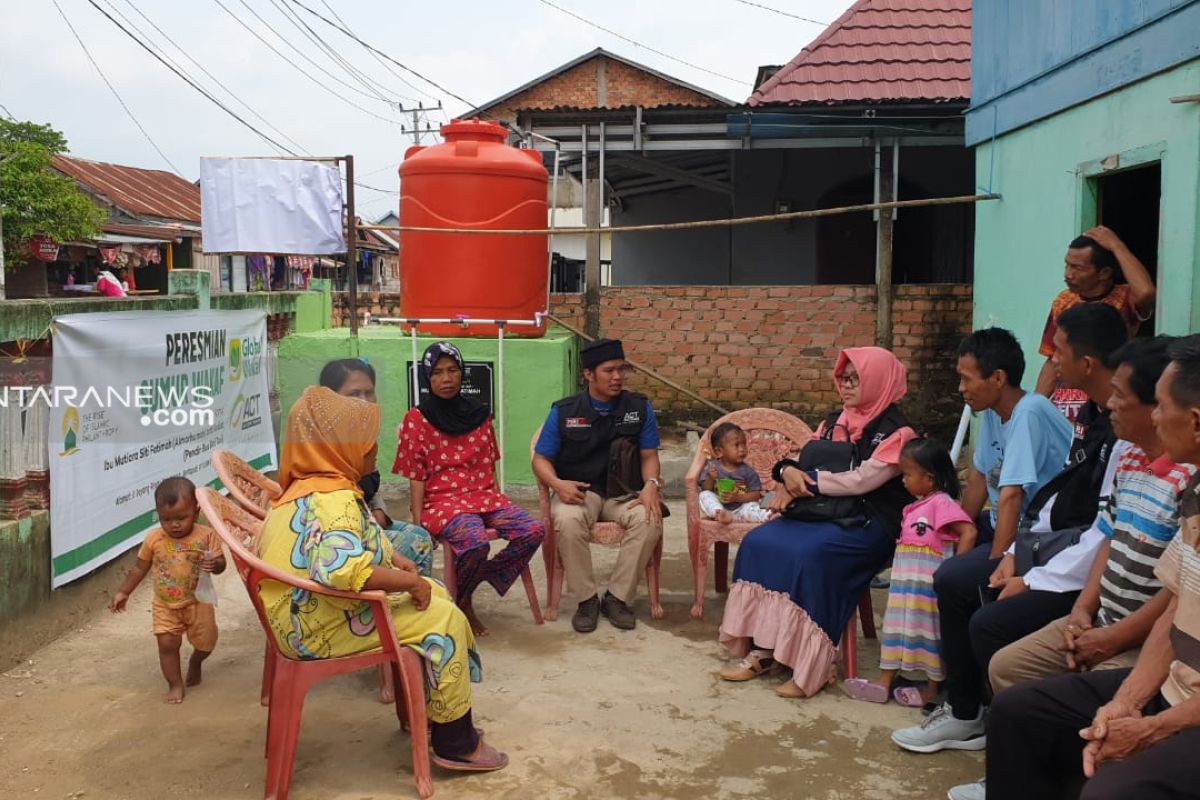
790	690
489	759
909	697
756	663
865	690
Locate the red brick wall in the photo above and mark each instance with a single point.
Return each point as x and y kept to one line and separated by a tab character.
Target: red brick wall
757	345
577	88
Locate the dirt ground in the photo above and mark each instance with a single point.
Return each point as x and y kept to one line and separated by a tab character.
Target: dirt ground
636	714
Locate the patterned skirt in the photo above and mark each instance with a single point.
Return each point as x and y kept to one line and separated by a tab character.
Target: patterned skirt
911	638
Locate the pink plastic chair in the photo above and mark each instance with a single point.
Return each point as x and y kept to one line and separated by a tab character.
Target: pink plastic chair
254	492
451	579
608	533
290	679
866	613
770	436
249	487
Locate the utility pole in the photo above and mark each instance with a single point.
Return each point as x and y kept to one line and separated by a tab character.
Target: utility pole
419	126
2	290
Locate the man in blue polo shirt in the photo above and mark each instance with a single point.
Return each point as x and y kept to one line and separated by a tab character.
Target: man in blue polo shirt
572	458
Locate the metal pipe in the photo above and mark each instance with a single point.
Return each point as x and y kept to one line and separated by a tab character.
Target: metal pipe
964	422
600	216
500	396
416	383
895	176
550	236
464	321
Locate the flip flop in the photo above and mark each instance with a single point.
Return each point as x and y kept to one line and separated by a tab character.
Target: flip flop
908	696
489	760
865	690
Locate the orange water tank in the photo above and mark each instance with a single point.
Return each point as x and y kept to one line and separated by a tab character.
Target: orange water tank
473	180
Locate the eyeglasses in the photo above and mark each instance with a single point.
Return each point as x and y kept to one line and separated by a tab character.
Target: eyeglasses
848	379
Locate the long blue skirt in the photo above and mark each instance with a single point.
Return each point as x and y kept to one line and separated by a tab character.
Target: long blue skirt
823	567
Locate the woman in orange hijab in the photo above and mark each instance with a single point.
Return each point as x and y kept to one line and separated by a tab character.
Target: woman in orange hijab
321	529
796	583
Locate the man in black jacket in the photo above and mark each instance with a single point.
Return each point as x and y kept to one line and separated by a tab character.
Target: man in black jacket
572	458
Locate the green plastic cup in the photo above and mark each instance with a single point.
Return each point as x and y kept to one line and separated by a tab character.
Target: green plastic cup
725	485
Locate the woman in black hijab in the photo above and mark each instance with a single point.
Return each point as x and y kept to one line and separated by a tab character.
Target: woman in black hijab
448	452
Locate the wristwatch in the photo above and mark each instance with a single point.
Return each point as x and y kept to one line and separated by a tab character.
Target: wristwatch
657	483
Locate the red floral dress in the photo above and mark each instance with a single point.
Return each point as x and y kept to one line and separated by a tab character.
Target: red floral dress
459	471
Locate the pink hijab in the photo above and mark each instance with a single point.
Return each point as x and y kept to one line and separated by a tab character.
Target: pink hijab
882	380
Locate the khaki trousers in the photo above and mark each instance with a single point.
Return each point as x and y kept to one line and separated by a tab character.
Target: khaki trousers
1041	655
573	525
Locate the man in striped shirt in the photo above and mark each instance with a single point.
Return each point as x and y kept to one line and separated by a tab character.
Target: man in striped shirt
1114	560
1127	733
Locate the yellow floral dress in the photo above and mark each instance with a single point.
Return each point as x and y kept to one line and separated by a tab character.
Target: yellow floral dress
330	538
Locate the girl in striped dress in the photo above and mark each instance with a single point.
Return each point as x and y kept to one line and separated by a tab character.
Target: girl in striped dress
934	528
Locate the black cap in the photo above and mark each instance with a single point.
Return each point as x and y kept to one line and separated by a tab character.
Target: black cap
595	353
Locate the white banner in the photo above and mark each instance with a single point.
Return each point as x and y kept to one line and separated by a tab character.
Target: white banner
138	397
259	205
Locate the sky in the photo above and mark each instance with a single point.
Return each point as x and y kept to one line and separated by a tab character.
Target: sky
473	49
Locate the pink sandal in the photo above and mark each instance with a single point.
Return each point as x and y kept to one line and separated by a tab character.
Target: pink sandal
489	760
908	696
865	690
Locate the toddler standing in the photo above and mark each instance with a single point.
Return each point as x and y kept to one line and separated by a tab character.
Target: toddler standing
932	530
178	552
736	499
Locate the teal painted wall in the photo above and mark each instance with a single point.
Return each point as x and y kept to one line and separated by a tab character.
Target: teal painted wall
537	372
1041	172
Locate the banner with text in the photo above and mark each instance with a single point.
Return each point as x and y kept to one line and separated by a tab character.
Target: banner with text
138	397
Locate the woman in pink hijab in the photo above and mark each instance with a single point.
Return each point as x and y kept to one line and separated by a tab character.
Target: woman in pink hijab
796	583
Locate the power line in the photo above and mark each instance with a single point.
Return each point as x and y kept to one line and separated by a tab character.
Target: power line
296	66
7	113
404	67
375	56
371	85
636	43
113	89
190	82
200	66
783	13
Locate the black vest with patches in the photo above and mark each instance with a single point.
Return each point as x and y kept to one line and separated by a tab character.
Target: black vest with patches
886	503
585	435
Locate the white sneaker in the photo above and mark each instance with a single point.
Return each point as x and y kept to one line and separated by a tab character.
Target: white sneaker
969	791
941	731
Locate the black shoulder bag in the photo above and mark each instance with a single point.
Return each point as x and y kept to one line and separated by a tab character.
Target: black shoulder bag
826	455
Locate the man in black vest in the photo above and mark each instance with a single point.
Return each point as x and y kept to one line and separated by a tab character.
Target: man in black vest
572	458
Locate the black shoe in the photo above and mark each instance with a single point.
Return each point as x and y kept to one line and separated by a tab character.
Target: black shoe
619	614
587	615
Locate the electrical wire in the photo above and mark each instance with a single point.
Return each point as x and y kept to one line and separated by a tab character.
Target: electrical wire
374	87
190	82
783	13
7	113
297	67
113	89
200	66
375	56
404	67
636	43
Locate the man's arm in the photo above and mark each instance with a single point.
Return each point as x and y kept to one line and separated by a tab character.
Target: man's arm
974	494
1008	514
651	494
1134	629
570	492
1141	286
1046	379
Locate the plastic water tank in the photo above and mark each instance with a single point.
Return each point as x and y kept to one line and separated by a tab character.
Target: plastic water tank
473	180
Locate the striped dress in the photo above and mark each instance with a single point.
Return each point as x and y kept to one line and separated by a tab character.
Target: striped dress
911	639
1141	521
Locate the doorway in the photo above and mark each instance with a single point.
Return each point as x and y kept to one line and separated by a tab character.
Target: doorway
1128	202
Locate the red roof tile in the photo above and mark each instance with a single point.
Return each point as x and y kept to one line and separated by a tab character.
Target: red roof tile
881	50
149	192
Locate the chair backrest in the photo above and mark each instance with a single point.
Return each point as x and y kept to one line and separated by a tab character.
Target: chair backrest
247	485
771	435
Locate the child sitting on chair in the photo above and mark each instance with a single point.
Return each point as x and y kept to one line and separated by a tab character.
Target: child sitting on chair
179	552
730	487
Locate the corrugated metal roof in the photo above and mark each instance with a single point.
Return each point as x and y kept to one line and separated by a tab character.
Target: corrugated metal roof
164	232
881	50
149	192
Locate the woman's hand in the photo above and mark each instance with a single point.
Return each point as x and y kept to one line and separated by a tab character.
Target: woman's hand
421	594
797	482
404	564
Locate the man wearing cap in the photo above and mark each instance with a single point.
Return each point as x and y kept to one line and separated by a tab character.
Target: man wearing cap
572	458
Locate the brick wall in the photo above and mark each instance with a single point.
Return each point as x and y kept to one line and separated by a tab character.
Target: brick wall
578	88
757	345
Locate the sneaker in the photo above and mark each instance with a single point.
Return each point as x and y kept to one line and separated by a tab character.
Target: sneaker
941	731
587	615
969	791
619	614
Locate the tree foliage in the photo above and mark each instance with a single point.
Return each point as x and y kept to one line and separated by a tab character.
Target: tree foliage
34	199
